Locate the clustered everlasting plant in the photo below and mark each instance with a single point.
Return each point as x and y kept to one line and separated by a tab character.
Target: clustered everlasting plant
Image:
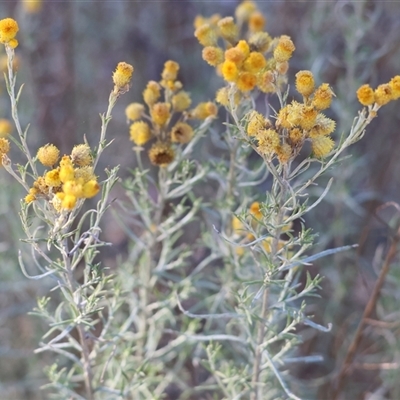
209	301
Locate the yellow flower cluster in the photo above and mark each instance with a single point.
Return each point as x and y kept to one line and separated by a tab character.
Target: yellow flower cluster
63	185
295	123
8	31
166	121
381	95
254	219
255	62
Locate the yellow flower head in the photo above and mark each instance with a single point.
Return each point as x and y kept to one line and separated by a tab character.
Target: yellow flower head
256	22
67	172
244	10
204	110
160	113
305	83
5	127
284	50
322	97
230	71
74	188
260	41
268	141
90	189
8	29
152	93
383	94
323	126
395	86
52	178
308	117
140	132
256	123
181	101
161	154
181	133
84	174
322	145
29	198
246	81
366	95
48	155
285	117
255	62
213	55
206	36
228	29
81	155
244	47
134	111
122	75
235	55
170	71
265	82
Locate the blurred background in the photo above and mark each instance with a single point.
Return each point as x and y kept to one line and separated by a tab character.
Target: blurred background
67	52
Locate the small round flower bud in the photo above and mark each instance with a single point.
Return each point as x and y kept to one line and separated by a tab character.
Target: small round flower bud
122	75
365	95
255	62
395	86
134	111
268	141
284	153
305	83
228	29
230	71
255	210
322	145
213	55
308	117
256	123
140	133
160	113
152	93
246	81
181	101
256	22
322	97
170	71
48	155
205	35
81	155
90	189
52	178
383	94
181	133
8	29
284	49
161	154
204	110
